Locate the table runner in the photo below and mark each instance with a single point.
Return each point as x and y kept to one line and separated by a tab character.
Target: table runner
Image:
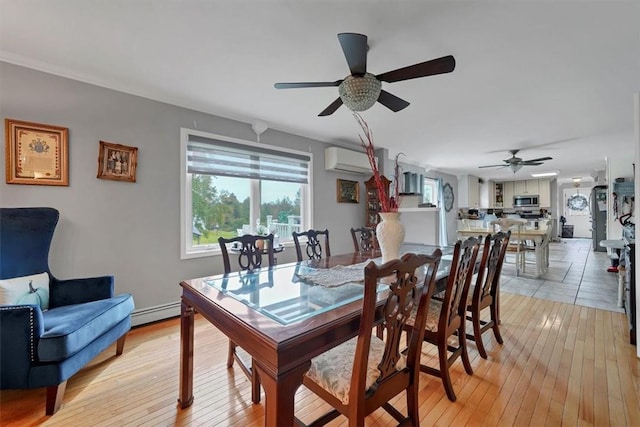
335	276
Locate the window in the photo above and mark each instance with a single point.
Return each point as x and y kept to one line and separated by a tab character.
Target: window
232	187
430	191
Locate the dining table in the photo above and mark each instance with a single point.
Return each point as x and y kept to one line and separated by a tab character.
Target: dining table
284	316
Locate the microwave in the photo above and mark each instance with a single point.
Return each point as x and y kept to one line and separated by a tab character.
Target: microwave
525	201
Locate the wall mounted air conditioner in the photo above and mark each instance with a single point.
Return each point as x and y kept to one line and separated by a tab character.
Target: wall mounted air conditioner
343	160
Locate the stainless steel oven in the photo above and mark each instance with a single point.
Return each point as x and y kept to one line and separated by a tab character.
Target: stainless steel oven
525	201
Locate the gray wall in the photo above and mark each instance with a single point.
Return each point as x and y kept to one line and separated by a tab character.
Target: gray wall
132	230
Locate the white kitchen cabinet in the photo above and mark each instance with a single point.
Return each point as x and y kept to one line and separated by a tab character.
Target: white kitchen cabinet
532	187
519	187
508	193
544	191
504	192
527	187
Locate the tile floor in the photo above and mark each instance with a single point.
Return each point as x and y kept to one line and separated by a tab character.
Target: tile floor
577	275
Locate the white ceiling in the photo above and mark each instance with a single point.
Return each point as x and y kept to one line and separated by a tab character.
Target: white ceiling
551	78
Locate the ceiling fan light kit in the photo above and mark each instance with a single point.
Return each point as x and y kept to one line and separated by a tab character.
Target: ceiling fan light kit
359	93
515	167
360	90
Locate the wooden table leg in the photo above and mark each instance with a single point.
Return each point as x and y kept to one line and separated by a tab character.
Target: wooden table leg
279	394
186	355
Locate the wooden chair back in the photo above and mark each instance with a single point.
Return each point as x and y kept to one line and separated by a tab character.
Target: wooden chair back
250	250
317	244
404	293
488	278
456	293
398	370
486	291
364	239
446	316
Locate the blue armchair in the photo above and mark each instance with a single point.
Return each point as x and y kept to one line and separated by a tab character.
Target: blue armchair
45	347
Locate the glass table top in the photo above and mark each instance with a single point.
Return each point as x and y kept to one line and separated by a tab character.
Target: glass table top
289	293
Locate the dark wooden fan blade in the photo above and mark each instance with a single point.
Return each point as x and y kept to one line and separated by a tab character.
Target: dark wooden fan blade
529	163
354	47
306	84
446	64
331	108
491	166
392	102
541	159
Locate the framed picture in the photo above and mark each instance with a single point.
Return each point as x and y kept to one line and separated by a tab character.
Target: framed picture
117	162
348	191
36	153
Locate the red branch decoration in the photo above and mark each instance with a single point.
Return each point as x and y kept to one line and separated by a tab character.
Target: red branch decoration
387	203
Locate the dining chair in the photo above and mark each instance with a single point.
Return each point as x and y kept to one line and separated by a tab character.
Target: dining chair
542	252
445	323
549	236
364	239
517	245
485	293
250	250
365	373
314	246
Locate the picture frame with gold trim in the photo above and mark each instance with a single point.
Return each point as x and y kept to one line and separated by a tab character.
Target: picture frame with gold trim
36	153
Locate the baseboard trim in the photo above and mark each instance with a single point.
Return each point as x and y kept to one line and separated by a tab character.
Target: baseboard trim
153	314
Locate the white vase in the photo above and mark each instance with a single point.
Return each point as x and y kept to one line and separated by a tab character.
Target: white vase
390	234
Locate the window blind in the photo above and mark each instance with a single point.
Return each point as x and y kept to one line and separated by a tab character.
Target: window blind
210	156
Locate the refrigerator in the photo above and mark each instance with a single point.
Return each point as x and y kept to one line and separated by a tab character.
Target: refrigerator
598	208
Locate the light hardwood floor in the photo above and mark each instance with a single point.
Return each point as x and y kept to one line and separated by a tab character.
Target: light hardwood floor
561	364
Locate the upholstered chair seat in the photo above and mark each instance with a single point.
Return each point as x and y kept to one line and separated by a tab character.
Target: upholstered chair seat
366	373
332	370
433	315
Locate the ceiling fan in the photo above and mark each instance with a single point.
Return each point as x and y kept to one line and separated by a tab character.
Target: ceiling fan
360	90
515	163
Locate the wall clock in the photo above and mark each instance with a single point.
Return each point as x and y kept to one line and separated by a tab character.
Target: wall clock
447	197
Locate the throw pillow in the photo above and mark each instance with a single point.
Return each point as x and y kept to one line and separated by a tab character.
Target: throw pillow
32	289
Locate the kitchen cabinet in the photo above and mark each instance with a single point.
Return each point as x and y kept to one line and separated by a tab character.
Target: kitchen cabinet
468	191
485	191
503	192
373	201
508	193
519	187
527	187
544	191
